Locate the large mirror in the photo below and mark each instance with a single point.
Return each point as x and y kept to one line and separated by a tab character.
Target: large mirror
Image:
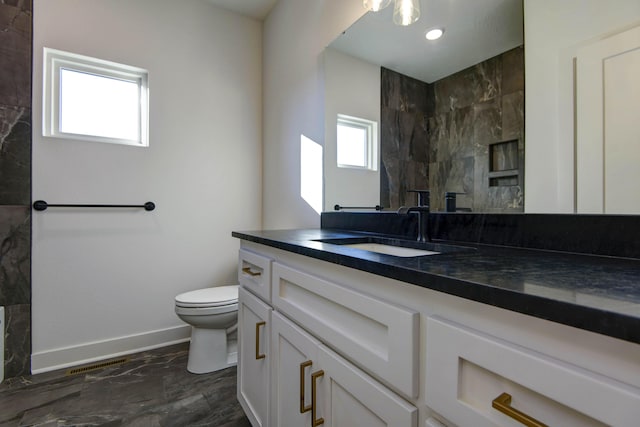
450	112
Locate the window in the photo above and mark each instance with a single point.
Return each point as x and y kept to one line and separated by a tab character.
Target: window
94	100
357	143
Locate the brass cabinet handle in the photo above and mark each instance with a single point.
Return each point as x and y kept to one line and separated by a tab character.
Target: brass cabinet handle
314	402
258	355
303	366
503	404
251	273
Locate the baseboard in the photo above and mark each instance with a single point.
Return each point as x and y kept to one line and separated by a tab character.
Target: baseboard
66	357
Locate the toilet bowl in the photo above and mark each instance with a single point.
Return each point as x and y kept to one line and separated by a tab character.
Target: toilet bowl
213	316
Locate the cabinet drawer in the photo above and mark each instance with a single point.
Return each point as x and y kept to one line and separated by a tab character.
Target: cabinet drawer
467	369
380	337
254	273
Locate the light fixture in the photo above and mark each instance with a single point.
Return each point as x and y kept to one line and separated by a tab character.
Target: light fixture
434	34
375	5
406	12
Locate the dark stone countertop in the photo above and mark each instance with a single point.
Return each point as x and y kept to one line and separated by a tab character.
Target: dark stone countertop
595	293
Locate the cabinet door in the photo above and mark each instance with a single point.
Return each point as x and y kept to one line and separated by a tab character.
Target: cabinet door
293	358
607	149
254	324
347	397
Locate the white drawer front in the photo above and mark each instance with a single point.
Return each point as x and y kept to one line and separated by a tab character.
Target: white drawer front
254	273
466	370
380	337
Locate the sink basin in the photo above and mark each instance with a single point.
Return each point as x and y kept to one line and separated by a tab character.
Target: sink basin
396	247
390	250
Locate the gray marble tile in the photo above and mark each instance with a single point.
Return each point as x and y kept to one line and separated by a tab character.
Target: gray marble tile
14	403
513	71
487	123
479	83
152	389
15	51
15	255
465	113
453	175
403	93
513	115
15	155
17	340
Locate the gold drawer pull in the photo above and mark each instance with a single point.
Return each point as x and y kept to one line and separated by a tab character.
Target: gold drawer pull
258	355
248	271
314	402
503	404
303	366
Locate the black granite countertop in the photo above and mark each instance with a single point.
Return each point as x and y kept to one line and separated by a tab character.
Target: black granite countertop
595	293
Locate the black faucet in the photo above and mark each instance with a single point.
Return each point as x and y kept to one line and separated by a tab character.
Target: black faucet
422	209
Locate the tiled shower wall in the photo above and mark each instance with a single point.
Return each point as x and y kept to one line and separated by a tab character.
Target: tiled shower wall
406	105
15	182
438	136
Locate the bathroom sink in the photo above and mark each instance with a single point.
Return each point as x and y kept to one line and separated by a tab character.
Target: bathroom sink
396	247
390	249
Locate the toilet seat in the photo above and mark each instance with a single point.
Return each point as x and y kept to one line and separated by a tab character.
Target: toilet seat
220	296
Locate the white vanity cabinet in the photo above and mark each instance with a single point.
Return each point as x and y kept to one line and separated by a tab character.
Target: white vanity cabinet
382	352
313	386
300	376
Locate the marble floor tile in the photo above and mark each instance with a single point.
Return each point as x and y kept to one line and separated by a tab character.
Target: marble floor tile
152	389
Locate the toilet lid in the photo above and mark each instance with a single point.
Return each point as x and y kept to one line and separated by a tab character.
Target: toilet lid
209	297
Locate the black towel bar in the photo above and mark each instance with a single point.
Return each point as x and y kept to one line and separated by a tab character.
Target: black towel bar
376	207
41	205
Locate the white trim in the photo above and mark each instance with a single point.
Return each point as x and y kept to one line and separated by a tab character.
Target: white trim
66	357
55	60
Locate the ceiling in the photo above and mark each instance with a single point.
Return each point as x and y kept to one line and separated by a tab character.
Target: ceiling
475	30
258	9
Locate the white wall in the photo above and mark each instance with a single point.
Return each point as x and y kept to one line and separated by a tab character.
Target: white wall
295	34
553	30
352	87
104	282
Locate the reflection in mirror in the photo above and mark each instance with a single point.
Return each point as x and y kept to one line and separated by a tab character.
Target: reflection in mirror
451	111
572	140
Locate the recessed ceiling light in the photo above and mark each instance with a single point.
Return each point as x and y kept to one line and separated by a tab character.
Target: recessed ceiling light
434	34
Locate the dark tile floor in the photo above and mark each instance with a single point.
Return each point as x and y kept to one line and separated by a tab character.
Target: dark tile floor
152	389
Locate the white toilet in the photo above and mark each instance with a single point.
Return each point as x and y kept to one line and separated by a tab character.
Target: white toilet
213	316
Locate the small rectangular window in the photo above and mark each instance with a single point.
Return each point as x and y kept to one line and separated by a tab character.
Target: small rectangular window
94	100
357	143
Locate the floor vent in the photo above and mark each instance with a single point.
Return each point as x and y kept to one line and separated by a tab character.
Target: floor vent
96	366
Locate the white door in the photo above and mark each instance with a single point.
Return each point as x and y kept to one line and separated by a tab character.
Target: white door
254	325
347	397
294	357
607	119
